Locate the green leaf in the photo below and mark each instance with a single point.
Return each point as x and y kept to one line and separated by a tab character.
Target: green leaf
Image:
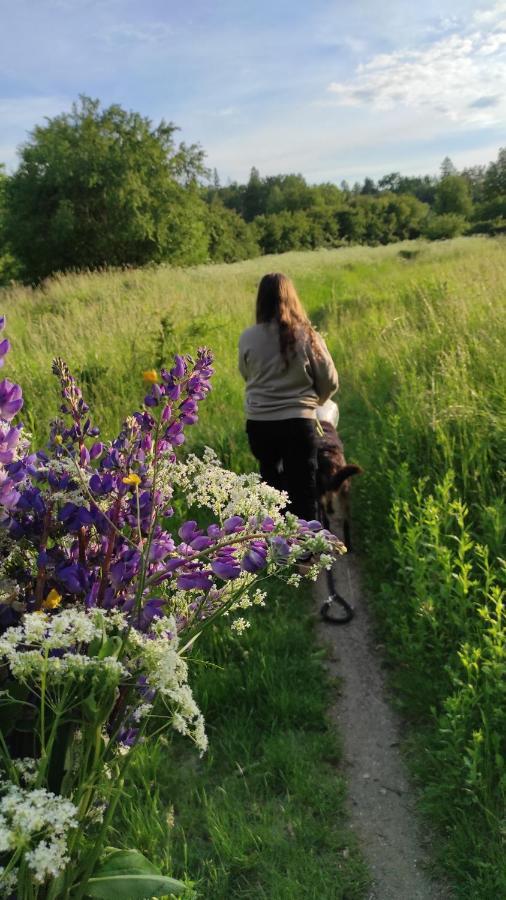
128	875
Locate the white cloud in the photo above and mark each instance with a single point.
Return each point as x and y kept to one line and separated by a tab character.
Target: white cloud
460	77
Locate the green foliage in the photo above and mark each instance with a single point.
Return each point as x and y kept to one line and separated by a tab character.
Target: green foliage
453	197
423	405
262	814
230	237
128	875
9	268
446	225
97	187
418	334
495	178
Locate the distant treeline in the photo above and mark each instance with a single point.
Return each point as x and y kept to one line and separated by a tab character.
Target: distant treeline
104	187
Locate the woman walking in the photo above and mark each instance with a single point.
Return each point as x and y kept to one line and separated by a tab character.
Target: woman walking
288	372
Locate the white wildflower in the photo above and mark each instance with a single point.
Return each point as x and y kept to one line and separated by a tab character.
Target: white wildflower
27	769
142	711
8	882
240	625
37	822
27	647
156	655
206	483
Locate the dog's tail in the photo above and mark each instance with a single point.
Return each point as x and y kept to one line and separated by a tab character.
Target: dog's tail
344	473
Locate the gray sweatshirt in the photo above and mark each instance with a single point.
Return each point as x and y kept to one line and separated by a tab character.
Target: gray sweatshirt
276	391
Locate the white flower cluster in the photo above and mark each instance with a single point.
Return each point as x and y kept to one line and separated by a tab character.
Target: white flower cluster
157	656
27	647
26	769
206	483
36	822
240	625
8	881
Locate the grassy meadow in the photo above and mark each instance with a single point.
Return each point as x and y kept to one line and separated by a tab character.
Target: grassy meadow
418	333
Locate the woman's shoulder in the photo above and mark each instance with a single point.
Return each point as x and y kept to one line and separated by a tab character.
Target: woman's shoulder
253	332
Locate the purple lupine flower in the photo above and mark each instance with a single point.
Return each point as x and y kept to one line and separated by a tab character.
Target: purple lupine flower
9	437
173	391
200	579
75	517
73	577
255	557
9	496
280	547
84	456
174	434
11	399
101	485
225	566
96	450
161	547
125	568
189	531
4	349
201	543
179	370
233	524
128	736
152	609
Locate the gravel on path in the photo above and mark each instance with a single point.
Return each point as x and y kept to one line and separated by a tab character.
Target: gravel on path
380	798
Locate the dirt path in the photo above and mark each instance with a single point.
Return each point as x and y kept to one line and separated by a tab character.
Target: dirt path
380	798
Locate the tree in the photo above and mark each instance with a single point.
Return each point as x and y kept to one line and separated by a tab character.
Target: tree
453	196
369	187
495	178
390	183
447	168
104	187
230	237
9	268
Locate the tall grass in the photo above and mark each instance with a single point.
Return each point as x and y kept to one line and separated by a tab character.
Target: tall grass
424	408
418	333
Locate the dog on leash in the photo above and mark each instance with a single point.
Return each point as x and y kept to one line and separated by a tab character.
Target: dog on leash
333	473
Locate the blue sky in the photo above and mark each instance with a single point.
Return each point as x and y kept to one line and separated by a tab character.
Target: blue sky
335	90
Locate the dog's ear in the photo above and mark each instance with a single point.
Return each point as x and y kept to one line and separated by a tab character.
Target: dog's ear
344	473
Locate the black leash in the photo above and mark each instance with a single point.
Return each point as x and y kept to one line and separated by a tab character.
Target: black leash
336	610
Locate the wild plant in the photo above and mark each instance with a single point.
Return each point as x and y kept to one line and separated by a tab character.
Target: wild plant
100	605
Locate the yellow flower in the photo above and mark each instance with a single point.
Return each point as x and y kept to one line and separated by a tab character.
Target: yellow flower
132	479
58	439
150	375
52	600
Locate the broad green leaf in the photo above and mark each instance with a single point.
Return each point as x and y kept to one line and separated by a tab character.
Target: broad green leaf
128	875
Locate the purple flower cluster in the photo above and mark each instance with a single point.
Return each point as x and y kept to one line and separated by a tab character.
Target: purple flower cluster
96	512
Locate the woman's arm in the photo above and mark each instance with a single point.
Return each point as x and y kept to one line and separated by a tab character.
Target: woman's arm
242	360
326	379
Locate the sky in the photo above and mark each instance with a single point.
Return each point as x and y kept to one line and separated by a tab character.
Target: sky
333	89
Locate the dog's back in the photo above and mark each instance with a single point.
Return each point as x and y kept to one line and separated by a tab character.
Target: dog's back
333	477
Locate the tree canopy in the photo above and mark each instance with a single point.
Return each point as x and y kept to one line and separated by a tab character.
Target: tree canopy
104	186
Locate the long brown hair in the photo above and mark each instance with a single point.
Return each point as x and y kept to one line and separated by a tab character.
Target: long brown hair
277	300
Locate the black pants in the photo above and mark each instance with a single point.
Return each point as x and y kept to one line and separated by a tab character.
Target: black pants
286	452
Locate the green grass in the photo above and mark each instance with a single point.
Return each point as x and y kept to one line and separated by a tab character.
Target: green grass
261	815
418	334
